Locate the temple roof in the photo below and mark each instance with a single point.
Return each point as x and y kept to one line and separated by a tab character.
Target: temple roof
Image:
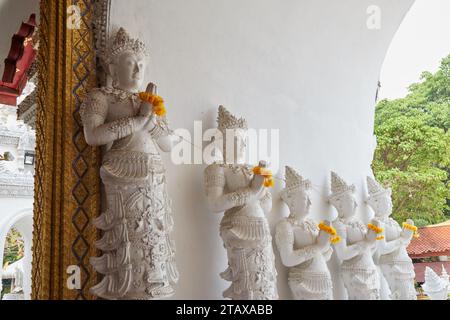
433	241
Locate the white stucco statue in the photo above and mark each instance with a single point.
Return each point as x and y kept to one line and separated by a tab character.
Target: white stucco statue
18	281
434	286
358	243
235	189
15	273
445	276
303	248
392	256
138	252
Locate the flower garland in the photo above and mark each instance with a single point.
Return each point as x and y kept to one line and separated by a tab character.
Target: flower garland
374	228
331	231
335	240
156	101
409	226
412	228
269	182
379	238
328	229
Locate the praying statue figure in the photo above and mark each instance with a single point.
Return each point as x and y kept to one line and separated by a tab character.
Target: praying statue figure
392	256
241	193
358	244
138	260
303	247
18	281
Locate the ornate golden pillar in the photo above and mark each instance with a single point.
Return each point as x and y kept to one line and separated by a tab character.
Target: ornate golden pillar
67	186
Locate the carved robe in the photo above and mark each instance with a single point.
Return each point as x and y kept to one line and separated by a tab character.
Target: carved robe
397	266
310	280
138	259
246	236
360	275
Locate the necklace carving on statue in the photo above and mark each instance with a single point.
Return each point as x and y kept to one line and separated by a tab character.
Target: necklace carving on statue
305	224
235	168
119	94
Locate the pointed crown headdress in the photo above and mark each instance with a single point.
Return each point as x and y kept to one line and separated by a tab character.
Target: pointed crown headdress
375	189
339	186
226	120
295	181
122	42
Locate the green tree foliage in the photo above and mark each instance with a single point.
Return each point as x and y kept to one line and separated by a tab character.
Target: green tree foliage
413	153
14	249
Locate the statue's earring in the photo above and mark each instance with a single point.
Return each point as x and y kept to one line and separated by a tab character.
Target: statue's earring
114	80
112	75
109	81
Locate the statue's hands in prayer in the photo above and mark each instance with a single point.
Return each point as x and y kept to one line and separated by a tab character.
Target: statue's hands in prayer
146	108
145	123
257	185
323	240
147	120
407	234
371	235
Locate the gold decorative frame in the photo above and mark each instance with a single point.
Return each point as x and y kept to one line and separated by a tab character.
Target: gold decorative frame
67	185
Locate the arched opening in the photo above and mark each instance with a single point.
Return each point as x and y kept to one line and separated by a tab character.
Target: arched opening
15	256
18	79
411	121
12	273
418	46
16	190
411	125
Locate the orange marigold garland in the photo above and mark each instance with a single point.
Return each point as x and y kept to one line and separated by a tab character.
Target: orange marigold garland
269	182
155	100
374	228
412	228
335	239
328	229
331	231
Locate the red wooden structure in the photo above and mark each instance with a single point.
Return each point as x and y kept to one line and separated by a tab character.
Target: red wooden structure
20	58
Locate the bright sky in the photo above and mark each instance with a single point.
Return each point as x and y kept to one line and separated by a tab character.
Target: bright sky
419	45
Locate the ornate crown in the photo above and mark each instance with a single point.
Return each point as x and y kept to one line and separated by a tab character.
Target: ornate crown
295	181
339	186
122	42
375	189
226	120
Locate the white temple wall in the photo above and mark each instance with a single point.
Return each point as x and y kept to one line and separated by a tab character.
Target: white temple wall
307	67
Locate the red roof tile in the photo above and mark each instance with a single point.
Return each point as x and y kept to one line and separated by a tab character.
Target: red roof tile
433	241
419	269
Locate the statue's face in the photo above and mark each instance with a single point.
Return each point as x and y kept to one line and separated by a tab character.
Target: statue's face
382	204
300	202
238	144
128	71
345	204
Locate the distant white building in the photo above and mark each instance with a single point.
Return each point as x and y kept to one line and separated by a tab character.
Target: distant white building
17	140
